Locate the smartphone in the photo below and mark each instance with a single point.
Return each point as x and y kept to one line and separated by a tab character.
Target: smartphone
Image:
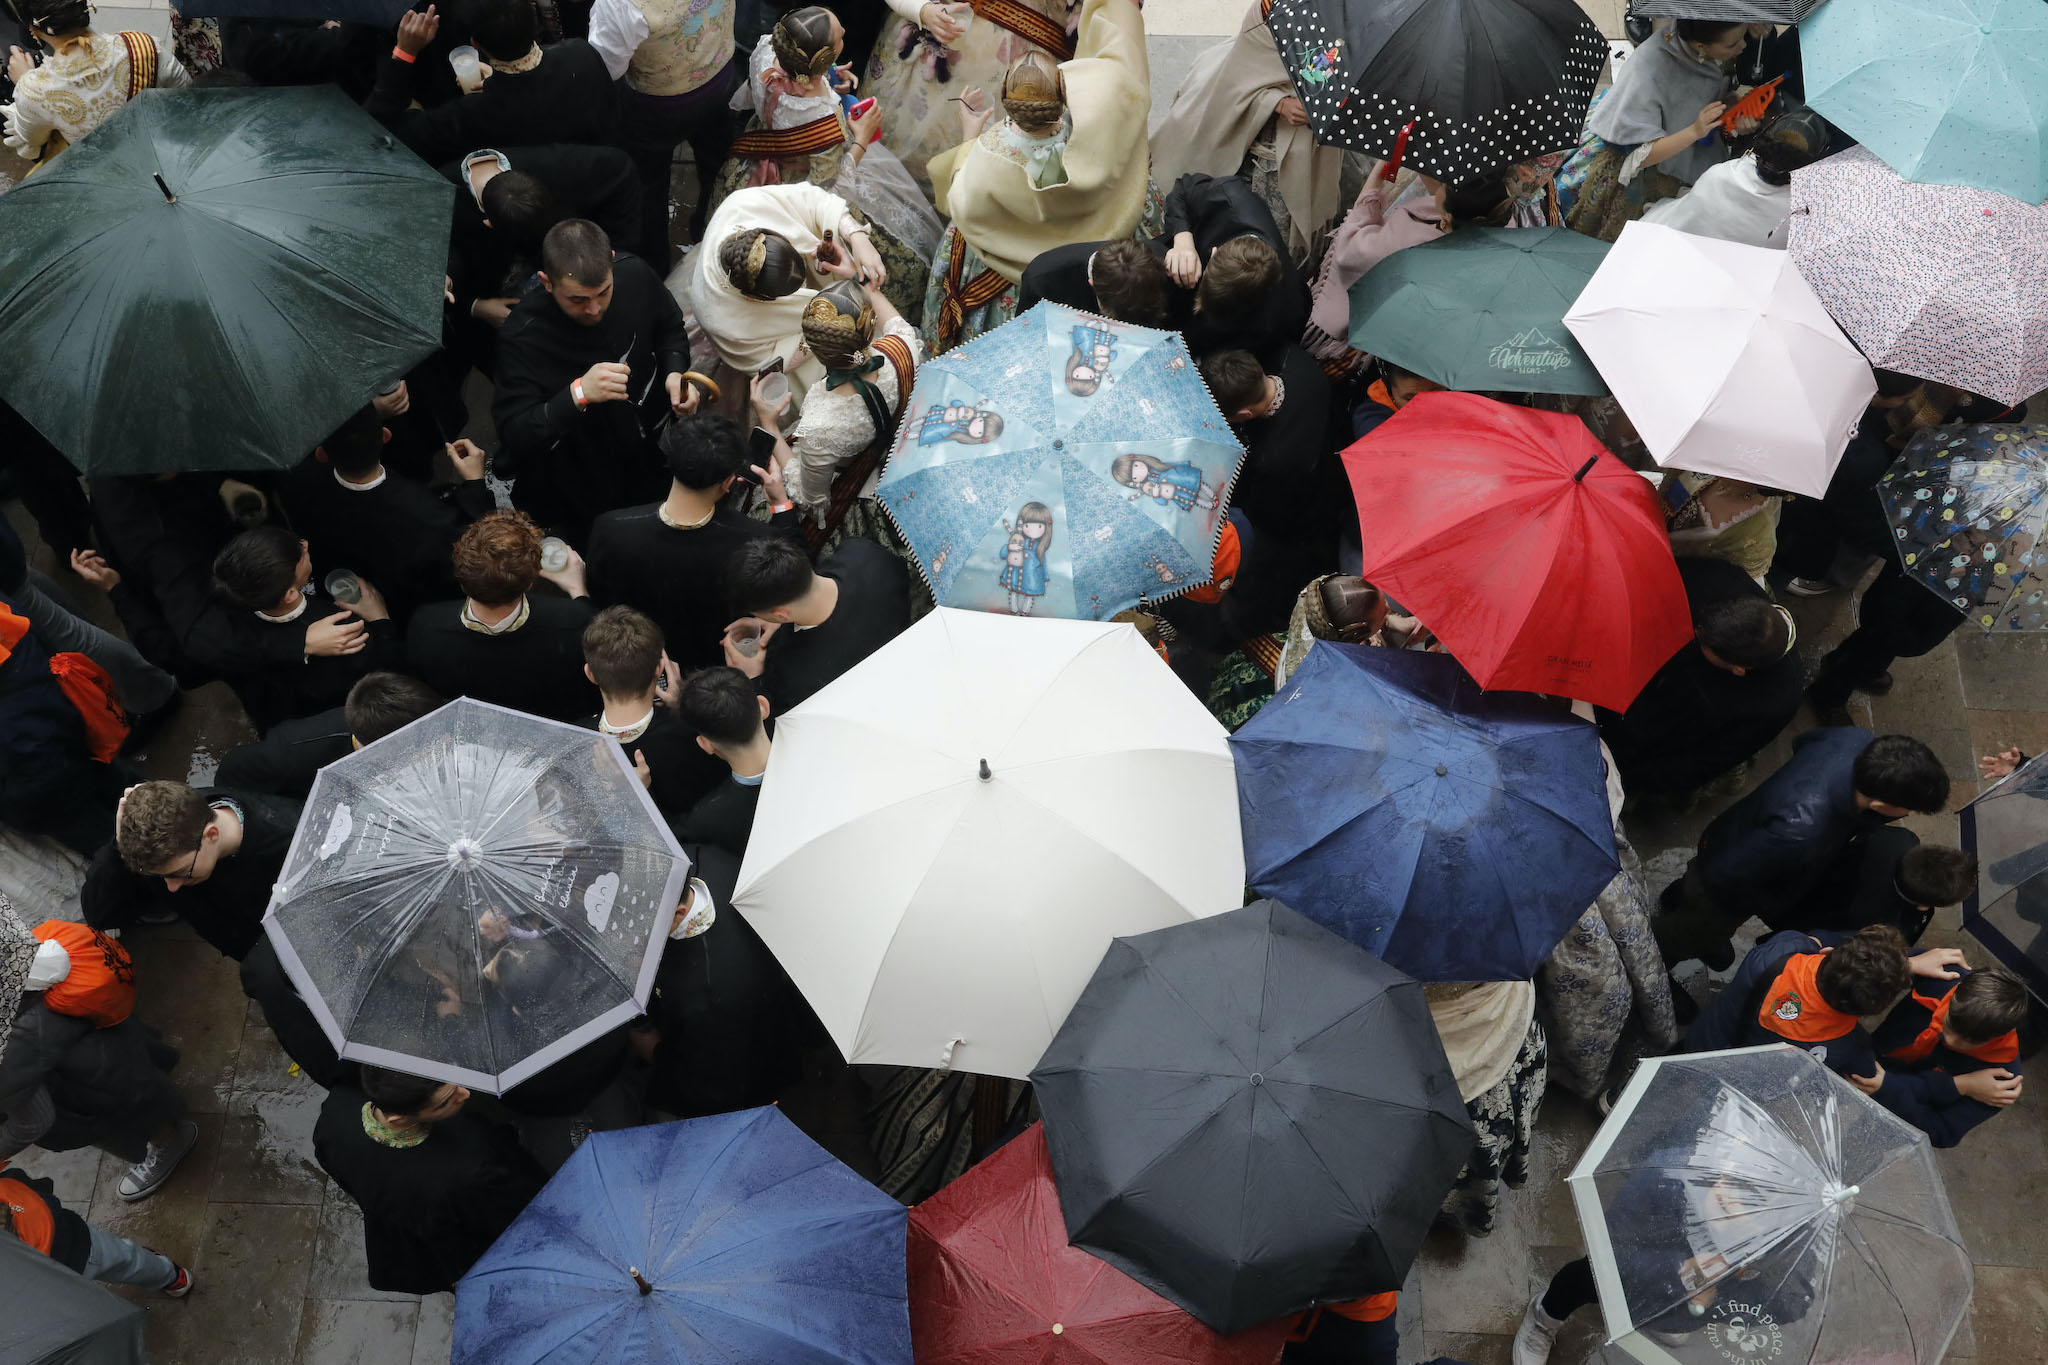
760	451
860	107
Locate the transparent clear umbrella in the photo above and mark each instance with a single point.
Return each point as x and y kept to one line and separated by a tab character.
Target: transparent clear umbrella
476	896
1750	1206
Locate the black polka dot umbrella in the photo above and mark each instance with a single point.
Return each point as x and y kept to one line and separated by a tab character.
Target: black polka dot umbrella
1486	82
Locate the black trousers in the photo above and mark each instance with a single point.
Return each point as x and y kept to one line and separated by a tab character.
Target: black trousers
1897	619
47	484
703	119
1571	1289
1340	1341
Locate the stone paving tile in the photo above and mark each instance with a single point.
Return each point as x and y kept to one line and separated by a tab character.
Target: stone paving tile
73	1175
173	1220
267	1149
249	1300
340	1268
262	1066
2011	1309
1475	1348
354	1332
1996	731
2003	672
2004	1220
193	996
435	1339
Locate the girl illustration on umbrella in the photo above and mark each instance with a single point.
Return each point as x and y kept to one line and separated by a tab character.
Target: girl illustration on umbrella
1023	575
1094	353
1169	484
962	423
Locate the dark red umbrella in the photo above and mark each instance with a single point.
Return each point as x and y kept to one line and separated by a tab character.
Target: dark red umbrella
993	1282
1540	560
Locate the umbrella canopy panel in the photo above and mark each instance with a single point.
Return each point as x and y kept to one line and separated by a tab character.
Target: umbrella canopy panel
1251	1116
1458	834
950	834
1949	92
476	896
1723	358
215	279
1482	309
1948	284
1486	82
727	1238
51	1315
1969	509
995	1283
1752	1205
1728	11
2007	828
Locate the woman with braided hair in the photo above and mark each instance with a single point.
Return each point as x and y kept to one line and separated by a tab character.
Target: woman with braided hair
88	77
801	132
1063	164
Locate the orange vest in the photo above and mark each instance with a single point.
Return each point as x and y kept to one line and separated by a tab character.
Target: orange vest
2005	1048
32	1220
1374	1309
1793	1009
101	986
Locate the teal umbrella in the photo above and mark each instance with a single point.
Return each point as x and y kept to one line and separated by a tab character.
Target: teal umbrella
1481	310
215	279
1945	92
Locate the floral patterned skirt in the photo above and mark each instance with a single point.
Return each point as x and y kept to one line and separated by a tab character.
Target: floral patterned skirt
1601	205
1505	1118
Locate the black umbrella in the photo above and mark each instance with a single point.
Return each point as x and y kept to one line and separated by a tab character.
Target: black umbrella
381	13
1250	1115
1486	82
215	279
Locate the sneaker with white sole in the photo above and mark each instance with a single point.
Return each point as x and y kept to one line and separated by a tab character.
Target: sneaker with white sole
1537	1335
179	1287
1809	587
148	1175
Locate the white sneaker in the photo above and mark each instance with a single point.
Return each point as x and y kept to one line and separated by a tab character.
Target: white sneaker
148	1175
1537	1334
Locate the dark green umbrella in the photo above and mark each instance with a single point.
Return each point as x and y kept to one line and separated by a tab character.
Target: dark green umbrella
215	279
1481	310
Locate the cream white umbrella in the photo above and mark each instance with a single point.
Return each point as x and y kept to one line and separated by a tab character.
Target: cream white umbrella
1723	357
950	835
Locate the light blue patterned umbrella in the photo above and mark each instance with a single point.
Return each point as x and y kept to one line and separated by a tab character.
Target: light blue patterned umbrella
1061	465
1946	92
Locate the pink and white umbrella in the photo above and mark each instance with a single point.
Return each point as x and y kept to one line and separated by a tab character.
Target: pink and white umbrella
1946	283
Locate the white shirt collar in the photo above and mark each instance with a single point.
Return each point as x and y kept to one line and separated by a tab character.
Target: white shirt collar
377	482
632	730
703	911
512	621
294	614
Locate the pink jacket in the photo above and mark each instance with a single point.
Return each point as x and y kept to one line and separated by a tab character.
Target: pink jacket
1364	239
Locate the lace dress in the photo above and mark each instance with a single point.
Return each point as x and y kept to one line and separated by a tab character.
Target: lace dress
903	225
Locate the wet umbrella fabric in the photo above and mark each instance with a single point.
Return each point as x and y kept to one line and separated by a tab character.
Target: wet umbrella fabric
1486	82
1482	309
1251	1116
1947	92
216	279
1752	1205
1944	283
1456	834
51	1315
1968	506
2007	829
727	1238
1540	560
994	1282
476	896
1728	11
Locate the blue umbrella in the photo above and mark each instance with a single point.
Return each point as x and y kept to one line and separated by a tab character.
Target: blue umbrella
1453	833
733	1237
1945	92
1061	465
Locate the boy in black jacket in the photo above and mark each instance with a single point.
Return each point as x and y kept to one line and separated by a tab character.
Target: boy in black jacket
1950	1052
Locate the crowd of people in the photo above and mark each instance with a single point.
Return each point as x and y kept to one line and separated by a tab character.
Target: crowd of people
669	533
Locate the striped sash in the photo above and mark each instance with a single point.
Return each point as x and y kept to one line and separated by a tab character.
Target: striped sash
782	144
957	298
1028	24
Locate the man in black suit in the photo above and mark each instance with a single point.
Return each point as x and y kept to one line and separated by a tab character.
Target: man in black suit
1125	279
1717	701
720	704
533	95
590	370
503	643
668	558
508	199
285	761
623	656
360	515
813	624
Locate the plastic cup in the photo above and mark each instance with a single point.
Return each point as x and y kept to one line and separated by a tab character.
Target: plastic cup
554	554
344	587
469	69
746	640
775	390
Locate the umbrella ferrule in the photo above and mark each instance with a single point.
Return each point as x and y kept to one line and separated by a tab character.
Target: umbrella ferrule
158	176
1585	469
1840	1195
645	1288
985	773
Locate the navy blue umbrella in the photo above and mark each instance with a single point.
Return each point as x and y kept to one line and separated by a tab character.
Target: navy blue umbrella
1453	833
733	1237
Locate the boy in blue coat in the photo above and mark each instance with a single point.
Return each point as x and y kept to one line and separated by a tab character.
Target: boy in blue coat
1812	992
1950	1052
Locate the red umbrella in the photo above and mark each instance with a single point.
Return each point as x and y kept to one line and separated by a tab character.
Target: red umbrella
1539	559
993	1282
